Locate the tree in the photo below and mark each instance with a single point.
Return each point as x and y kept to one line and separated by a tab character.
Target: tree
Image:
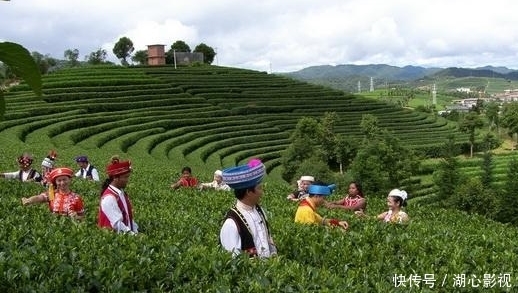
473	197
178	46
478	107
490	141
303	142
317	168
492	109
382	161
510	118
327	136
97	57
447	177
123	49
487	170
369	126
72	55
508	212
208	53
469	124
345	151
316	139
20	61
140	57
44	62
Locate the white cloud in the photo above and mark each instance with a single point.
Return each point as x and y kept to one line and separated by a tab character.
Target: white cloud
281	35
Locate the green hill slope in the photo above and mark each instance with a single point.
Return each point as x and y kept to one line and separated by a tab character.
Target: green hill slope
202	116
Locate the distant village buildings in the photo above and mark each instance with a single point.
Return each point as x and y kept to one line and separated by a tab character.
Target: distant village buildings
464	105
507	96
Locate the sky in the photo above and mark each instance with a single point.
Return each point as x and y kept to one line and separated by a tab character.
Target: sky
278	35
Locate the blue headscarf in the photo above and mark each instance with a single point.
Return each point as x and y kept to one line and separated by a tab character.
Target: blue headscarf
324	190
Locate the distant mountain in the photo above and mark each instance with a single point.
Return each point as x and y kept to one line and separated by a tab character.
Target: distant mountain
468	72
377	71
500	69
394	73
350	77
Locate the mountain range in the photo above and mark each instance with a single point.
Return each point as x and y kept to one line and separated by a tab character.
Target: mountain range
348	77
394	73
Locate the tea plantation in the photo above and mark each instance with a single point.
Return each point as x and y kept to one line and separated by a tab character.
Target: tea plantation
211	118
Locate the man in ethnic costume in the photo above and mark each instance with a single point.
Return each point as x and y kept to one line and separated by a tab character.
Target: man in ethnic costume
246	228
115	210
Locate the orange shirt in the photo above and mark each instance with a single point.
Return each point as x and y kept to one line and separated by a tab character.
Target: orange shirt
65	203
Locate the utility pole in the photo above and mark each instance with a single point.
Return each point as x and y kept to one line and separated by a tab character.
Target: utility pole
174	58
434	95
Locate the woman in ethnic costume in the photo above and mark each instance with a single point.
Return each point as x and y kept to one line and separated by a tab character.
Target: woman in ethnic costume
60	198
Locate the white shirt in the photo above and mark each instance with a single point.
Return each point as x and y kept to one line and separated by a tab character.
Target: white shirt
217	186
95	174
114	214
25	175
229	235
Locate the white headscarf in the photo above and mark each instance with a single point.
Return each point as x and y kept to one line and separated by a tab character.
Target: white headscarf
399	193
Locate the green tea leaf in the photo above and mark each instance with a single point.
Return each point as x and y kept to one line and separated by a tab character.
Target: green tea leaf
22	63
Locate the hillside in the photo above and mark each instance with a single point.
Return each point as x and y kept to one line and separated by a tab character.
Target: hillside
200	116
212	117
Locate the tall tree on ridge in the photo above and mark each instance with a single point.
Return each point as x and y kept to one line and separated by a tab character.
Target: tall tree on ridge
123	49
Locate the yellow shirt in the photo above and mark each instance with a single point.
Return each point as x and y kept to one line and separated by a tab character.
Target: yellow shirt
307	214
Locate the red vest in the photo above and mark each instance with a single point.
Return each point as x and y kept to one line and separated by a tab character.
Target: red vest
103	220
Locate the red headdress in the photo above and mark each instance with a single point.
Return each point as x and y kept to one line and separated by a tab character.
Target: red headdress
25	160
116	167
60	172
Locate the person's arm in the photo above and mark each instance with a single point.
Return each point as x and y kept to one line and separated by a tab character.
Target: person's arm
178	184
114	214
205	185
360	205
10	175
335	222
229	237
95	174
381	216
40	198
334	204
225	187
77	210
292	197
78	173
361	214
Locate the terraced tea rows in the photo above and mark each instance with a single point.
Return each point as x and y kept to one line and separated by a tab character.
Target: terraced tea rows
182	113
